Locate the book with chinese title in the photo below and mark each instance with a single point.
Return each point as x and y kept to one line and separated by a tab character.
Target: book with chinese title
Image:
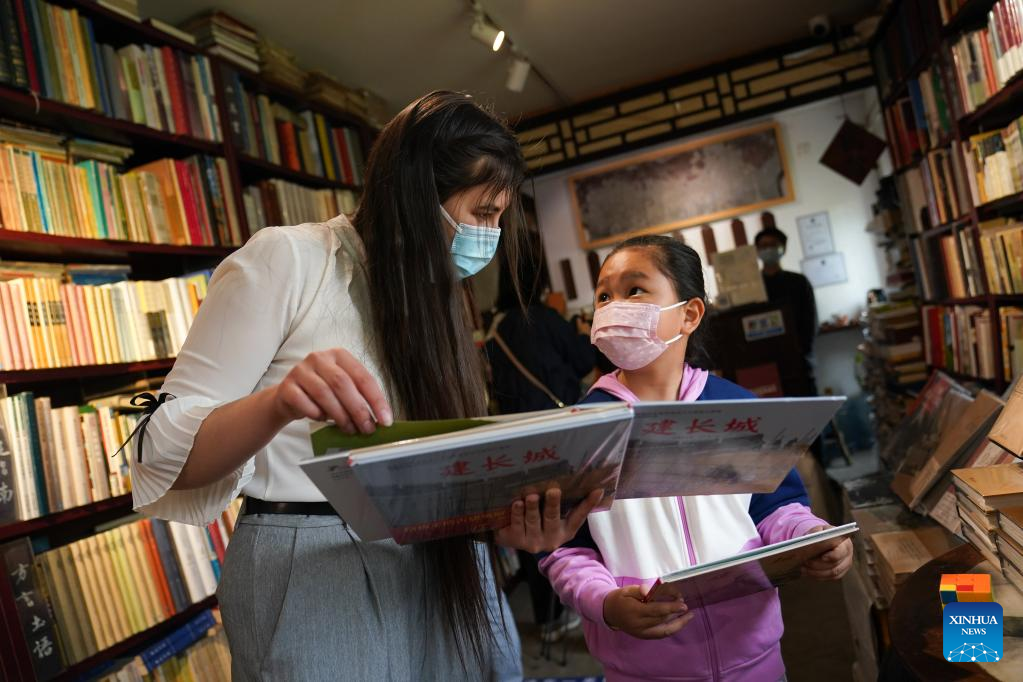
719	447
421	481
748	572
417	481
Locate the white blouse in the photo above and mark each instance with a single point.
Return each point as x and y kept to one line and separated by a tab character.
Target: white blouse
288	292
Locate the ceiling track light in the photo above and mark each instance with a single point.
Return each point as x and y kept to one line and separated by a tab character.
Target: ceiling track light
518	72
486	32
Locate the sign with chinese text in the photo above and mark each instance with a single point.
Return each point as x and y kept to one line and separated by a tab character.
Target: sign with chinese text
34	614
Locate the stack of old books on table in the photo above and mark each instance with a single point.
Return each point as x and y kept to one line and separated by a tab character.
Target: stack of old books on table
989	499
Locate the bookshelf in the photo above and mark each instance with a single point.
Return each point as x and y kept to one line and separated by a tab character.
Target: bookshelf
917	51
148	260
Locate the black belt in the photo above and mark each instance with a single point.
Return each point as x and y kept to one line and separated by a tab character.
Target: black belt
255	505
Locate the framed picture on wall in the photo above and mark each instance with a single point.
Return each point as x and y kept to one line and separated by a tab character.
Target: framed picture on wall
713	178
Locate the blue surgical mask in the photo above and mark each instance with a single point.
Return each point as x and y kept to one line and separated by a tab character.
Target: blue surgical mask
473	246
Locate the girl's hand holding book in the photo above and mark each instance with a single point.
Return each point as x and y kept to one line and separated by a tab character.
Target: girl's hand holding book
533	532
832	564
626	610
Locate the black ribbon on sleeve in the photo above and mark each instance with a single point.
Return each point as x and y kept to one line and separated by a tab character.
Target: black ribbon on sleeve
149	404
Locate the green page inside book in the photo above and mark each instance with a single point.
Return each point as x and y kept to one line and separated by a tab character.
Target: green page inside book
330	439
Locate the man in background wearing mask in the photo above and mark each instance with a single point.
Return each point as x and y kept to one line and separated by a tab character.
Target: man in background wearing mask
788	288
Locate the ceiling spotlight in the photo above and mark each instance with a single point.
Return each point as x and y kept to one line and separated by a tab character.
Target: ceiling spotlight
487	33
517	74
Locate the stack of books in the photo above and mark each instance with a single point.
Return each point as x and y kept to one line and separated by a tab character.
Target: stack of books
122	581
49	322
128	8
1009	539
278	65
981	493
168	201
224	36
278	202
56	53
898	554
63	457
197	650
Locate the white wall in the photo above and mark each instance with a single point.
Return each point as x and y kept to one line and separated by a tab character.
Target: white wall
806	132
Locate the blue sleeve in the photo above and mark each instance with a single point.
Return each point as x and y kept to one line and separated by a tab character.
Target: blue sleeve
599	396
791	490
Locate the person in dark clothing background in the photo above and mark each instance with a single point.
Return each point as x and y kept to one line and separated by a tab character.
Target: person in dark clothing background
558	354
789	288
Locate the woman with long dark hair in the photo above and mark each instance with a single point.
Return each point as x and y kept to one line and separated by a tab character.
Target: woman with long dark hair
358	323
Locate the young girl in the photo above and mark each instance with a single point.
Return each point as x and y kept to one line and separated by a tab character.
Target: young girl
649	306
359	322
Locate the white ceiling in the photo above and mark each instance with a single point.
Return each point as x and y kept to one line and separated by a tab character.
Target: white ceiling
404	48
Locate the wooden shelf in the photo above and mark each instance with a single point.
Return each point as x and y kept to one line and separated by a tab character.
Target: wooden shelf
986	299
1000	110
51	114
136	642
256	168
969	15
32	376
139	30
959	376
61	518
16	243
944	228
1009	205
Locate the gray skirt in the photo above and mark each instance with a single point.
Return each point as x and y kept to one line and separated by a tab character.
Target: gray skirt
301	601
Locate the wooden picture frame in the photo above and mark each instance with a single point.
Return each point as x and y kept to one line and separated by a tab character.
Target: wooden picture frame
625	198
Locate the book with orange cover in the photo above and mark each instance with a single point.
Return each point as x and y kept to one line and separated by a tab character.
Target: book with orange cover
166	177
152	558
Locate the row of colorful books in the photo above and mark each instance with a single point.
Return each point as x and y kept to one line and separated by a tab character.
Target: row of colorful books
168	201
279	202
961	339
993	163
62	457
986	59
300	140
196	652
107	587
159	87
49	322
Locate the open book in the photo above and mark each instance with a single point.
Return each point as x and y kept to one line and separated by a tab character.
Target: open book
748	572
417	481
420	481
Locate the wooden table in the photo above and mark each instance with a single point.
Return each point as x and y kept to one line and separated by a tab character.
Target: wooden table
915	621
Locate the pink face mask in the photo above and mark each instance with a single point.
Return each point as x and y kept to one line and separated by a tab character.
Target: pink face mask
627	333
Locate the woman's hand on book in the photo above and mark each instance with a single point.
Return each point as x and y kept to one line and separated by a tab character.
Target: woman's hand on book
832	564
534	532
332	384
625	610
